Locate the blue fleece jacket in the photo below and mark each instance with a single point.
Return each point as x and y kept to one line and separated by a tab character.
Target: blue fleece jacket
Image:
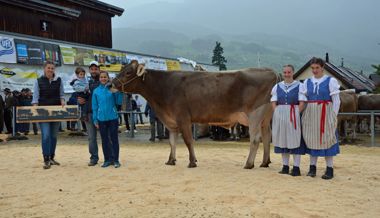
104	104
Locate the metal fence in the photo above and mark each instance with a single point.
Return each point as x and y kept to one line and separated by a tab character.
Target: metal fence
372	114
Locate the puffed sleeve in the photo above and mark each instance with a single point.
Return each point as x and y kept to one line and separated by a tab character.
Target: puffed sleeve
302	91
274	93
334	87
334	93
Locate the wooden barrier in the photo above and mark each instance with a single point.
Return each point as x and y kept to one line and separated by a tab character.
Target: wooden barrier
37	114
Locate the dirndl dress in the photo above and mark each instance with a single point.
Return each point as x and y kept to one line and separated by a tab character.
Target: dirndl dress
286	125
319	121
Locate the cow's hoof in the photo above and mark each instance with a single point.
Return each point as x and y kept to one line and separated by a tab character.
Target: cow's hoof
170	162
192	165
264	165
249	166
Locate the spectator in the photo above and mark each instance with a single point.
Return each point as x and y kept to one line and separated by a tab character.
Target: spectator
138	109
154	121
2	105
9	103
130	107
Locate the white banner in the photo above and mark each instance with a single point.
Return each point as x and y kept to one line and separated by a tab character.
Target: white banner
7	50
17	79
138	58
156	64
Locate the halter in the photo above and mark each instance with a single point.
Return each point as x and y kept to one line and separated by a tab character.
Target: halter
131	80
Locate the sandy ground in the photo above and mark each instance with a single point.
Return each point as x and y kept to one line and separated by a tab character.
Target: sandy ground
145	187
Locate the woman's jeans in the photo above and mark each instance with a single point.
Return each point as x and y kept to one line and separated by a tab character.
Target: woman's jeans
110	139
49	137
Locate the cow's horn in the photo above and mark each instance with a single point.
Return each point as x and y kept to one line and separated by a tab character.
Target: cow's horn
140	70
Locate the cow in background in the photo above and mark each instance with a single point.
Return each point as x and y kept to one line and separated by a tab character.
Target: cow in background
349	104
367	102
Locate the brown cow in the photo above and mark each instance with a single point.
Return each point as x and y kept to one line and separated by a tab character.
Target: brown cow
349	104
223	99
368	102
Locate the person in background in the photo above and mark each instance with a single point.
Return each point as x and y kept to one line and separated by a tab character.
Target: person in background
319	120
138	109
81	88
105	118
28	102
48	91
17	97
93	83
10	102
73	100
2	105
130	107
23	100
154	121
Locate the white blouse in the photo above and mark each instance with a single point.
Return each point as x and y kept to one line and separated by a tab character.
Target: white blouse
287	87
333	88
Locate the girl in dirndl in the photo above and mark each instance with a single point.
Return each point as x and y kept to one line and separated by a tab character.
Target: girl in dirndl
286	126
319	120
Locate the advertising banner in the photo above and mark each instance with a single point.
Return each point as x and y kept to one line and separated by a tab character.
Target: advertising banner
173	65
7	50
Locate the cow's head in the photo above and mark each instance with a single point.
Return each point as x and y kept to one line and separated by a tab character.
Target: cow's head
129	76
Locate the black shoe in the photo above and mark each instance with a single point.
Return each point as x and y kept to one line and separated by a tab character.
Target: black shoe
312	171
285	170
92	163
47	163
295	171
329	173
53	162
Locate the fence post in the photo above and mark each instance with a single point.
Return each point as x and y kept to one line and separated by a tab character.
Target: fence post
372	128
14	121
14	136
132	124
195	132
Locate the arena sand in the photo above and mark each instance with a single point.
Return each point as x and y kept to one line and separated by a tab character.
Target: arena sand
145	187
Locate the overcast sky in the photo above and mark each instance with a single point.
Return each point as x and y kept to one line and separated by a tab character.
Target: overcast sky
351	25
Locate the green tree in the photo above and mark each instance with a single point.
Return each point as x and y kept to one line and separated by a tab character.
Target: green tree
218	59
377	68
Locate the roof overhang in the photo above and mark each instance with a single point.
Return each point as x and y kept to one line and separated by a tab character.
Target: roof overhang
45	7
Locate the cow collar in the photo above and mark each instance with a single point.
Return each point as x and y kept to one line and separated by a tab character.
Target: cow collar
131	80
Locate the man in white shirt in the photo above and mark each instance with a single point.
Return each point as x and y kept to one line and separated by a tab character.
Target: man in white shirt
138	109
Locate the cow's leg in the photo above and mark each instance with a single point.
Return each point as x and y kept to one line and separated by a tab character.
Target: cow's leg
254	145
345	126
255	118
266	136
188	138
172	140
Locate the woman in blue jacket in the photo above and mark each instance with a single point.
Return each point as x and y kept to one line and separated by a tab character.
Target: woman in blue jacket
105	118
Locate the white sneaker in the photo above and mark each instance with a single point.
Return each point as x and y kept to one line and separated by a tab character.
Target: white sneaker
126	131
134	131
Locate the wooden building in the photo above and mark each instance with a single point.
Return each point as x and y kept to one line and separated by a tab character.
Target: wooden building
80	21
347	78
